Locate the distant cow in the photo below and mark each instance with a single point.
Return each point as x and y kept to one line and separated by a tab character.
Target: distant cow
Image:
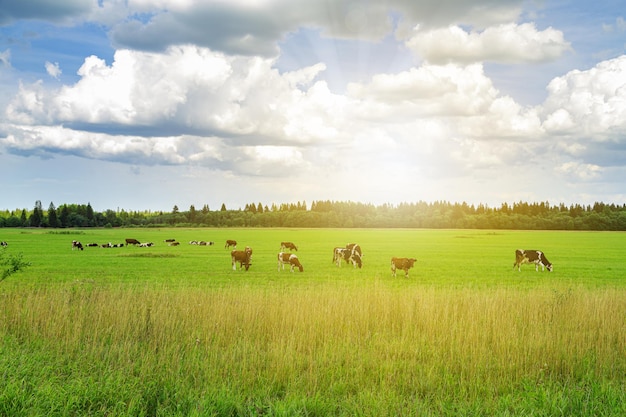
230	243
537	257
347	255
132	242
288	245
77	245
92	245
241	256
402	263
146	244
4	244
291	259
169	240
173	243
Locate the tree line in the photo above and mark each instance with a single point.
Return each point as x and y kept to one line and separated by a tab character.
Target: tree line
335	214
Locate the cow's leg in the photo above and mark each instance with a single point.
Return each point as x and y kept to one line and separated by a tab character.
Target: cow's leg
393	270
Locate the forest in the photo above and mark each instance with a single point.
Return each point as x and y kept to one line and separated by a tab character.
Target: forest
334	214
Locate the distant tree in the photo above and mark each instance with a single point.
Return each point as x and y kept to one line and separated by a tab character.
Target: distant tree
64	217
175	209
36	218
89	215
205	209
259	208
52	216
192	213
223	207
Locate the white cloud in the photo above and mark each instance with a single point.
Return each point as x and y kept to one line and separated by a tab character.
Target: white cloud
579	171
589	104
5	58
53	70
509	42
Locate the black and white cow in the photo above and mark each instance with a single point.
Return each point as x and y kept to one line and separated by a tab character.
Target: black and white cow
290	259
241	256
4	244
77	245
288	245
402	263
347	255
537	257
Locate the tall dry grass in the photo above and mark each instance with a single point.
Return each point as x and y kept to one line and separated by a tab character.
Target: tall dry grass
423	344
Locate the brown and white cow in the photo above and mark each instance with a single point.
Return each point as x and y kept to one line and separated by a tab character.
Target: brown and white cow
537	257
77	245
290	259
132	242
241	256
288	245
347	255
402	263
355	248
230	243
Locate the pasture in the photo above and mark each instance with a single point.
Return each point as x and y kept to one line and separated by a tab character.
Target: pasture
175	331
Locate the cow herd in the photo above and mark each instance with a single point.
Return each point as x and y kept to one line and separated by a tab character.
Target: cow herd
351	254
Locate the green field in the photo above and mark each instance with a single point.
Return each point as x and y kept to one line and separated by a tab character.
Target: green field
175	331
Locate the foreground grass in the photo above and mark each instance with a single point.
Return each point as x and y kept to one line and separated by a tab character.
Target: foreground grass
174	331
366	350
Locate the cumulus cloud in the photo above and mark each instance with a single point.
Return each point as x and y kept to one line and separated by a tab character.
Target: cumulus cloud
589	104
511	43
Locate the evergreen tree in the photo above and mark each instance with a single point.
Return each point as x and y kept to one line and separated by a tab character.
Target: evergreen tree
52	216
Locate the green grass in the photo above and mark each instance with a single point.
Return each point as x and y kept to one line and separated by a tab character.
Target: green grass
175	331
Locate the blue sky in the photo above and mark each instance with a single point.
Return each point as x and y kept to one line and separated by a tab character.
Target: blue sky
147	104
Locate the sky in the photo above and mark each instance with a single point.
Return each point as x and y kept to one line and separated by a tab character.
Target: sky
151	104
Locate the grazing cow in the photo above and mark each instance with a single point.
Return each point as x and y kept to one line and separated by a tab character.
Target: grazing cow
355	248
107	245
347	255
173	244
241	256
402	263
537	257
291	259
92	245
230	243
288	245
77	245
169	240
146	244
132	242
4	244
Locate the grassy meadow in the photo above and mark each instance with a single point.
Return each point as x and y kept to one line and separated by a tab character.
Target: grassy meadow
175	331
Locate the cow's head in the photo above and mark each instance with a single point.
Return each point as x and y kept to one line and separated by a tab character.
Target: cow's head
549	266
412	262
357	259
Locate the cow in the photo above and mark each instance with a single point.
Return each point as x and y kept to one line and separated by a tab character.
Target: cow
132	242
146	244
92	245
4	244
347	255
288	245
173	244
241	256
107	245
77	245
230	243
291	259
536	257
402	263
355	248
169	240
